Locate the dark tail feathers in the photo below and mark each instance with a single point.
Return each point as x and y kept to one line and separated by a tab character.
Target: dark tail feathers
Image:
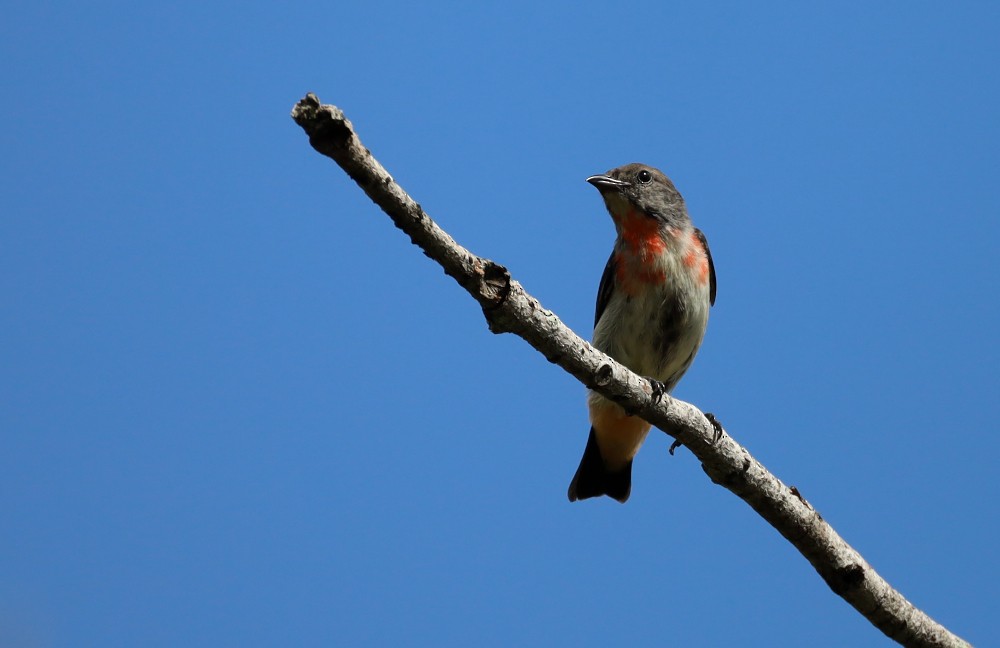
593	478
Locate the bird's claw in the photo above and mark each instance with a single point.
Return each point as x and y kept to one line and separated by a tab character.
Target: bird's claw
716	436
719	432
660	390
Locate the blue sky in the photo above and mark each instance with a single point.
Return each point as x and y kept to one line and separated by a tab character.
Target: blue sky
239	408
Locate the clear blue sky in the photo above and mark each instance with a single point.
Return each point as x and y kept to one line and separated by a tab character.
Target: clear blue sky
238	408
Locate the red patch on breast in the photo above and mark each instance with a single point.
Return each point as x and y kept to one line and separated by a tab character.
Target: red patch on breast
642	233
636	260
636	266
635	263
696	259
633	276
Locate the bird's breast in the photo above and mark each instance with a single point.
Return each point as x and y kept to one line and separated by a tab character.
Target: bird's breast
656	317
641	253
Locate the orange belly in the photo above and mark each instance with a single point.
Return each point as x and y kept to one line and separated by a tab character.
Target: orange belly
618	435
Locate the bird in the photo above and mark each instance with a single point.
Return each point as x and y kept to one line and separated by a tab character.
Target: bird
652	311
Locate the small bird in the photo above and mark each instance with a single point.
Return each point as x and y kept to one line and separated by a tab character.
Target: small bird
652	311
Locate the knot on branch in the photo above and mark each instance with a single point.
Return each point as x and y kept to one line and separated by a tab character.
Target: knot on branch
493	290
843	580
603	376
496	283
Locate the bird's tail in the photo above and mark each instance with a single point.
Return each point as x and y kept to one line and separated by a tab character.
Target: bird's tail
594	478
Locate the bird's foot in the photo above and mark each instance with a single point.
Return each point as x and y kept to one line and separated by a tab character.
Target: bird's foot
660	389
719	432
716	436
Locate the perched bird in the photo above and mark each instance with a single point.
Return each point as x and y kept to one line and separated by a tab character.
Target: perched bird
652	310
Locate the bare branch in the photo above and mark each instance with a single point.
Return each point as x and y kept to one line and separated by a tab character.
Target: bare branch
509	309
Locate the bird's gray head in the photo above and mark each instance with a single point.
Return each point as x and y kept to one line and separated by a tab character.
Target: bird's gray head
639	187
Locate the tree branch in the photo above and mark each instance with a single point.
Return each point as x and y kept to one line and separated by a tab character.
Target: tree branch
509	309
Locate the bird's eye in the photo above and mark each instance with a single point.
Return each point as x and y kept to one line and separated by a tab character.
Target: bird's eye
644	177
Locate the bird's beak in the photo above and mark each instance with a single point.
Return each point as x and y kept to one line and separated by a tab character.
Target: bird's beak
606	183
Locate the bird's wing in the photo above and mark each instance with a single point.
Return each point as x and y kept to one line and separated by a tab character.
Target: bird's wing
608	286
711	266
